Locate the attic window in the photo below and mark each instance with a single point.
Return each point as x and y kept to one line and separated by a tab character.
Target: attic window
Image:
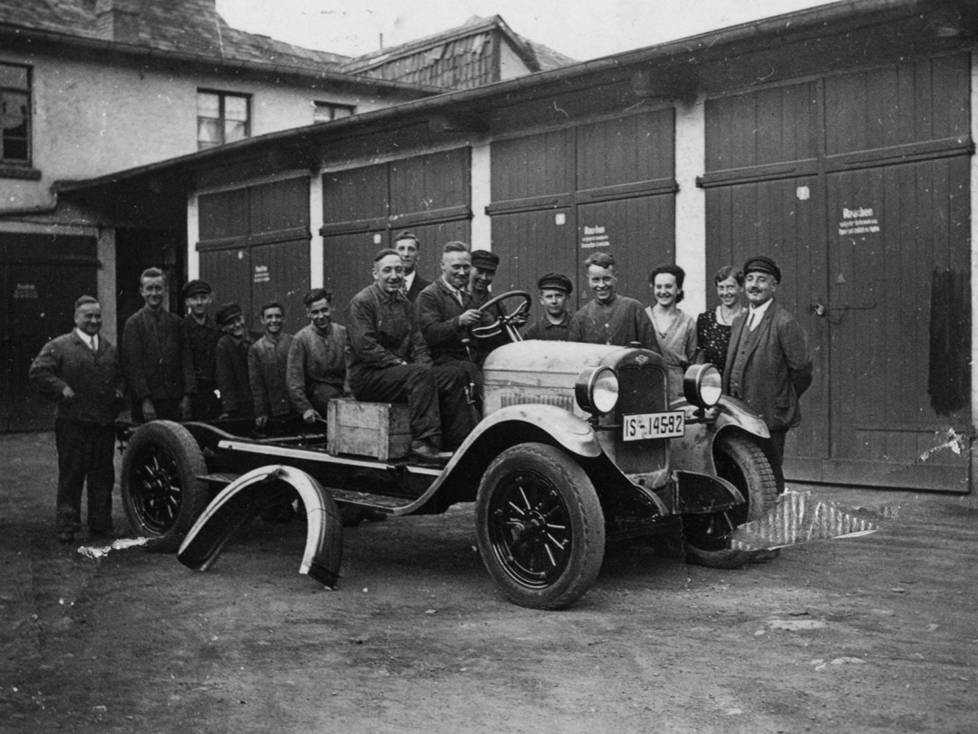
15	113
327	111
222	117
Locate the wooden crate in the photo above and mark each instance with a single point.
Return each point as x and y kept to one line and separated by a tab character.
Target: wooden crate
378	430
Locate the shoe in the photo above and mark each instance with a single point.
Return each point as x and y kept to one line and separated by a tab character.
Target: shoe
426	451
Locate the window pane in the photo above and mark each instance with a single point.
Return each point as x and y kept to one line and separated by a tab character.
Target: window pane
236	108
322	113
13	76
234	131
208	105
208	131
14	149
342	111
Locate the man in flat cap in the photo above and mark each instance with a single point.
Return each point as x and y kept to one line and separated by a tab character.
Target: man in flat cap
231	363
408	246
316	371
389	360
768	366
610	318
201	335
554	323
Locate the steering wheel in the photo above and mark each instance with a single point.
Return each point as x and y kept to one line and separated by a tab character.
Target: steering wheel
508	321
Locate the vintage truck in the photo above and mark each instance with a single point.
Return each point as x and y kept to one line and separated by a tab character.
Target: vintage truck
578	446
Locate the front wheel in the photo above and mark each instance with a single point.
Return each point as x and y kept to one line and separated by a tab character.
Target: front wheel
539	526
161	492
744	464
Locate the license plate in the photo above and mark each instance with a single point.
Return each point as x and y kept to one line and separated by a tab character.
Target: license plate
654	425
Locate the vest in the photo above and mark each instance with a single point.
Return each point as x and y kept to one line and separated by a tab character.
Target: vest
748	340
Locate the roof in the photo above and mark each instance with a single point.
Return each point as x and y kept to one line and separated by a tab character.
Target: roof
458	58
183	26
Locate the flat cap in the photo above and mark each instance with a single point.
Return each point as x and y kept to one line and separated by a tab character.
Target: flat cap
762	264
556	281
193	287
485	260
227	313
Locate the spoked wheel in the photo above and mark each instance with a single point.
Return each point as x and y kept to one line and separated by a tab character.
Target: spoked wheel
539	526
741	462
161	492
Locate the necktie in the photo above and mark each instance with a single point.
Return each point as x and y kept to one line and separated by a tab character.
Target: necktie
92	343
754	319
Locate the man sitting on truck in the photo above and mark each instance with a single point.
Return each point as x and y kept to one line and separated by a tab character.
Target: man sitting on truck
389	361
316	368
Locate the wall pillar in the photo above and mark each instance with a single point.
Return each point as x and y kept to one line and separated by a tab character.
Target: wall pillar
316	258
106	282
193	237
481	191
691	205
973	209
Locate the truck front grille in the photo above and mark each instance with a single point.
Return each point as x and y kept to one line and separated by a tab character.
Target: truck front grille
641	389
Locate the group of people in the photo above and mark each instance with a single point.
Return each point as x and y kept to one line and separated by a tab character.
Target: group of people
407	340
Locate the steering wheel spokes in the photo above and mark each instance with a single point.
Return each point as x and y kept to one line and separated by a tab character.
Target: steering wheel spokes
504	321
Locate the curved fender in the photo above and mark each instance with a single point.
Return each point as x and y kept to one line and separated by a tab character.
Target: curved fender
246	497
694	451
571	432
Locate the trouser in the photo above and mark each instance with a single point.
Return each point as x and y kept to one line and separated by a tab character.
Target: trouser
166	409
320	393
777	453
435	398
204	403
84	453
472	381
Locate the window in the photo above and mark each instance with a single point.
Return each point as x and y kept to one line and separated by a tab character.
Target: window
326	111
15	114
222	117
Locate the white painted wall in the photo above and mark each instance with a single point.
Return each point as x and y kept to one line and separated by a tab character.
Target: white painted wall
691	205
510	63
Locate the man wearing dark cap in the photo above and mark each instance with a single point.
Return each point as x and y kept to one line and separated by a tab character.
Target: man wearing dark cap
408	246
610	318
231	362
389	361
554	323
201	335
768	363
316	371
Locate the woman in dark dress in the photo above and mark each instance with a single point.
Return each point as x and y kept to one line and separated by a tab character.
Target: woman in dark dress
713	327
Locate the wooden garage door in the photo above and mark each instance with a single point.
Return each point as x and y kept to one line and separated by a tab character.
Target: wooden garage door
254	247
559	195
364	208
42	276
859	185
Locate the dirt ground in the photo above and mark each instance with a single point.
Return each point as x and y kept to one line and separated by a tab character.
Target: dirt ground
876	634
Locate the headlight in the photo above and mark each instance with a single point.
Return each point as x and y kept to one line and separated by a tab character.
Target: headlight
702	385
596	390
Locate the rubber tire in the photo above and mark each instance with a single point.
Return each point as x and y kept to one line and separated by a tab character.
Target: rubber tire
585	522
742	462
191	495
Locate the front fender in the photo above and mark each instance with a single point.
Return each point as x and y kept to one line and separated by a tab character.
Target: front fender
246	497
694	451
566	429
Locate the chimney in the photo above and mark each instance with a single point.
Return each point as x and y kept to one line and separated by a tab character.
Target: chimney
119	20
116	20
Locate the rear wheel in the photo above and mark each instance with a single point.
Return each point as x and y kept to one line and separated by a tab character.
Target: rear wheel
539	526
161	492
744	464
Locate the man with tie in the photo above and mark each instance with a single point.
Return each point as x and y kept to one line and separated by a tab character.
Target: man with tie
80	371
408	246
768	365
390	361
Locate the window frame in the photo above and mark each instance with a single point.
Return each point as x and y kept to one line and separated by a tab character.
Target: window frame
222	97
333	107
11	166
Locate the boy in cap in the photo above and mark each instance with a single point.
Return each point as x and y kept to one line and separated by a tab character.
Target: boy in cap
267	361
768	363
201	335
231	362
554	323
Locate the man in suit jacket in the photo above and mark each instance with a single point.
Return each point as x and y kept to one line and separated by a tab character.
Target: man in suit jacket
155	356
769	366
80	371
408	246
